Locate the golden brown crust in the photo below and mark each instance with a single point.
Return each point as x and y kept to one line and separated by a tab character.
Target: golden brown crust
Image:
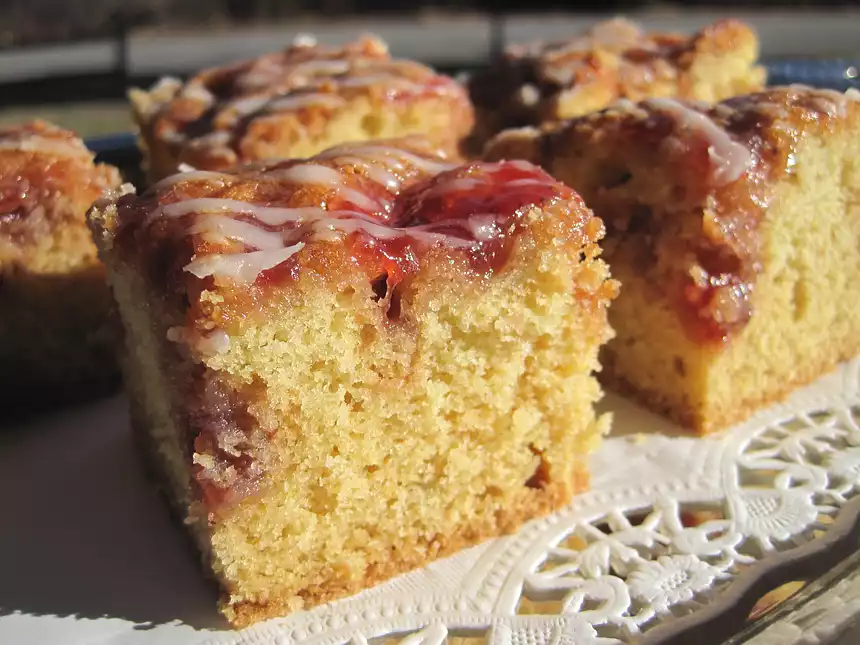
295	103
408	557
703	423
380	207
544	82
699	226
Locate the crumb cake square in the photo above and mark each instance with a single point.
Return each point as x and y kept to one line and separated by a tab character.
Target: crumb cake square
540	82
54	303
735	232
349	365
296	103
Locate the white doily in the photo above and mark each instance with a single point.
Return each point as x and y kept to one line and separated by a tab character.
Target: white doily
622	558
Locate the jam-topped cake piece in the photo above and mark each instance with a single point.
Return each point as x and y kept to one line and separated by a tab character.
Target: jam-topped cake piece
54	303
295	103
349	365
734	231
541	82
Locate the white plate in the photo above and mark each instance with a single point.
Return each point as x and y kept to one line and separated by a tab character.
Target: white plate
88	554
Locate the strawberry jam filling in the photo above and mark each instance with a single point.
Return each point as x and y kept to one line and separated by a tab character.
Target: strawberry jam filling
387	206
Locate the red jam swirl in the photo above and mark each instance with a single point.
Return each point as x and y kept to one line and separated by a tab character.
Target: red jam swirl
387	205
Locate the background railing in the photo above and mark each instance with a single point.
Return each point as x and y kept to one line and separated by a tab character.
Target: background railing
28	22
136	41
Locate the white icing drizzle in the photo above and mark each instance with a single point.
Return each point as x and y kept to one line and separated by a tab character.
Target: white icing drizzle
390	157
311	173
31	142
301	101
617	33
331	229
624	104
376	172
275	84
359	199
161	93
456	185
268	72
244	267
270	215
166	84
173	137
402	65
380	163
484	227
279	216
198	92
222	220
471	182
519	164
627	106
247	105
215	342
389	81
330	67
217	138
316	174
217	228
729	158
191	176
528	95
518	183
304	40
561	60
264	73
831	102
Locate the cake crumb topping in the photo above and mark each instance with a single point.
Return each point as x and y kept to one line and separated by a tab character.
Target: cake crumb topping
388	201
209	114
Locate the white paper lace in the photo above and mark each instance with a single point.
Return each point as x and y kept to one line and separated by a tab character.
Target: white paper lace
624	557
620	565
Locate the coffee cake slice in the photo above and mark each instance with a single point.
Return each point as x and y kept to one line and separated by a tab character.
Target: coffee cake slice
296	103
55	345
735	232
539	82
350	365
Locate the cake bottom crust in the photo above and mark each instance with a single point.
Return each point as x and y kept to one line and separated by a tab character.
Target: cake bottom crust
408	557
704	422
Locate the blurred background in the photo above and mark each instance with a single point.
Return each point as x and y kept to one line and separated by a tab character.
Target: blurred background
71	61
